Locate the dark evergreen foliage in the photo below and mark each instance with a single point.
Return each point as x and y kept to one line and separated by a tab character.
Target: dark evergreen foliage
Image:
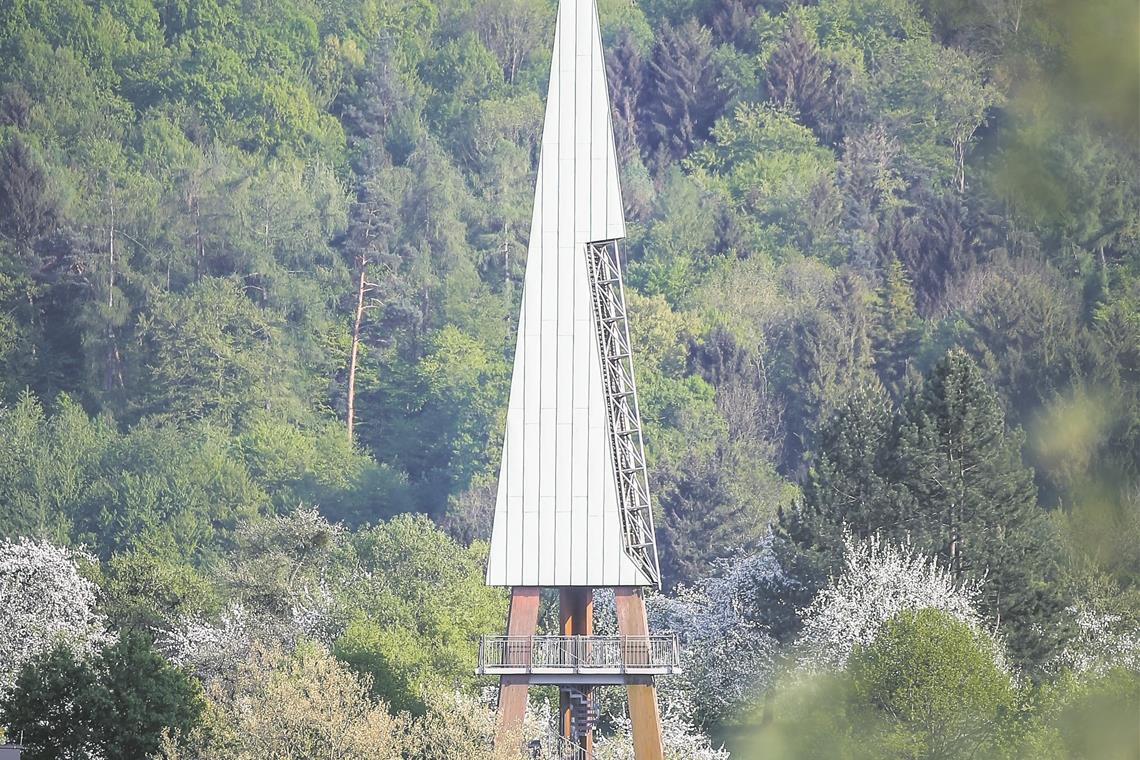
944	474
117	705
682	96
27	211
976	506
818	88
625	71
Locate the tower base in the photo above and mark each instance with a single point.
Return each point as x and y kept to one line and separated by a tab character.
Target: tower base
575	698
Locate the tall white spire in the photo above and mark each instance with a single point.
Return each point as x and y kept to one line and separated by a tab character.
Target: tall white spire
558	520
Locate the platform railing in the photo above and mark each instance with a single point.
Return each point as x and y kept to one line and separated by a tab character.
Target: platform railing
656	654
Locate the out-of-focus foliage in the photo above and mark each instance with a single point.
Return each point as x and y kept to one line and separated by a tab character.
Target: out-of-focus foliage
937	679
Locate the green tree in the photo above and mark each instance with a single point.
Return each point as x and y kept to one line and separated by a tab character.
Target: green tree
975	506
211	352
818	89
851	485
937	684
897	332
682	96
419	614
771	167
117	705
945	474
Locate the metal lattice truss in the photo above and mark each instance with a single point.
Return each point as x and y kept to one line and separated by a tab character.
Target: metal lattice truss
612	323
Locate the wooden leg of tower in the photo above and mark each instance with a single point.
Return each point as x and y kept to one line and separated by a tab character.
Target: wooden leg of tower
642	694
522	620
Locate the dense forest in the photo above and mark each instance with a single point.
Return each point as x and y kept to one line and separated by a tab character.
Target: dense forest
260	267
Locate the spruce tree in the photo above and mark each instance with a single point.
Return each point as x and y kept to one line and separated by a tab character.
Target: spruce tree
818	88
896	334
682	97
976	505
849	486
701	518
945	475
625	71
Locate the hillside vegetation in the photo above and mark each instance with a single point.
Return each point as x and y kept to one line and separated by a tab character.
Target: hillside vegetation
260	267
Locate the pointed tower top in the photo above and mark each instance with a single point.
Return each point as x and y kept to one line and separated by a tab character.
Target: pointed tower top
561	512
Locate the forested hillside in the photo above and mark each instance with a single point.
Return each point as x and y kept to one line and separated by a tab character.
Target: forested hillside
260	266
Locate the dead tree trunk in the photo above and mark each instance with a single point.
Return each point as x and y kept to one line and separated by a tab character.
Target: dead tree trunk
354	351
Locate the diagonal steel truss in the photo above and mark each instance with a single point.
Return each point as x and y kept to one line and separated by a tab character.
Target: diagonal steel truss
612	324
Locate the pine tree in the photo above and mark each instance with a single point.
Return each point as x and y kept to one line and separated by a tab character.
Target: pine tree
938	239
869	184
944	475
976	506
731	23
702	518
849	488
27	210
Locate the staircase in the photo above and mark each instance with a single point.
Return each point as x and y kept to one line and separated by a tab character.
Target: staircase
583	713
554	747
608	295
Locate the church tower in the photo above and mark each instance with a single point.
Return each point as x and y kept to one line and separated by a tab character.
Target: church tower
572	510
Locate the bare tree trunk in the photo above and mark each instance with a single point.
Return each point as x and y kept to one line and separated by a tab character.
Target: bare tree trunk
199	244
357	318
112	349
960	147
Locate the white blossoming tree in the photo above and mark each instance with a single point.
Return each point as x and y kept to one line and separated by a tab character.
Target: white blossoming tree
1104	641
280	586
878	581
680	739
727	652
44	602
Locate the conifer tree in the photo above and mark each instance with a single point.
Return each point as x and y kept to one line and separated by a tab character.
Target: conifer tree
850	487
27	211
818	88
976	506
701	519
682	97
625	71
896	335
731	23
945	475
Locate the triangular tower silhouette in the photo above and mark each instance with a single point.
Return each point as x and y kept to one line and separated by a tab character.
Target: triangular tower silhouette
572	510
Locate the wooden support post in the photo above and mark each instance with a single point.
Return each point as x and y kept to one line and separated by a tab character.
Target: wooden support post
522	620
642	694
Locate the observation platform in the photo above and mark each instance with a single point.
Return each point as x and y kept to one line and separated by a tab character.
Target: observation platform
587	660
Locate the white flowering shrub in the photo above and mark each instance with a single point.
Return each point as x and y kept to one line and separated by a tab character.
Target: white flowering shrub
1103	641
44	601
280	588
727	653
681	740
878	581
